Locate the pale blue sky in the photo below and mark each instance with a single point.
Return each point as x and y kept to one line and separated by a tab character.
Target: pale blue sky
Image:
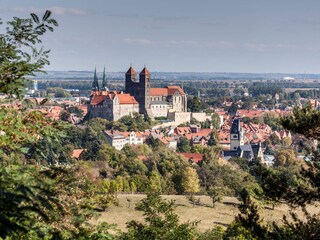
180	35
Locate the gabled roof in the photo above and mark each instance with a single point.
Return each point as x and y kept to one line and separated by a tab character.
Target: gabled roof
126	99
173	89
195	157
169	90
158	91
117	134
98	99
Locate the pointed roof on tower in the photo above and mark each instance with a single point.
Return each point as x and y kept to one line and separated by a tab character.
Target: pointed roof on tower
95	83
145	71
104	80
236	126
131	71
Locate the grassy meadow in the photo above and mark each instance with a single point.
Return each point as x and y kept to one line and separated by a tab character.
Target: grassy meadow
221	215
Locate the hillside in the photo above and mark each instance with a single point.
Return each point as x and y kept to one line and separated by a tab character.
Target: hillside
221	215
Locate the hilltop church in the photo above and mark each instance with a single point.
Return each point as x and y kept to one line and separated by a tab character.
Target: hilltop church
138	96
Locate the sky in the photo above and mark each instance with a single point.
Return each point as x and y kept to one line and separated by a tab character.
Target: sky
179	35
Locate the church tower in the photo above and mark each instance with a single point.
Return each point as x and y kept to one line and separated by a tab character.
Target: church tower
236	135
95	83
130	81
144	91
104	86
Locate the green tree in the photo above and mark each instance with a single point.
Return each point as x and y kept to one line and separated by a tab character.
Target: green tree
215	194
21	55
160	222
190	183
65	115
183	145
213	138
194	104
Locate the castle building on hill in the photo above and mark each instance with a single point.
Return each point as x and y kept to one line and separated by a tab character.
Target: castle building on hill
138	97
155	102
112	105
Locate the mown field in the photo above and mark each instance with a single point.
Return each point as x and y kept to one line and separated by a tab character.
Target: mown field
221	215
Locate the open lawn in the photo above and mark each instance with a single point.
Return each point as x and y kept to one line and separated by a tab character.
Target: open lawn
221	215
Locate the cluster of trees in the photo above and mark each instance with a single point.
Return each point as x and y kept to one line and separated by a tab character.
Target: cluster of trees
260	88
57	92
44	194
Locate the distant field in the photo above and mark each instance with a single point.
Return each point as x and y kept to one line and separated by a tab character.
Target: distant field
221	215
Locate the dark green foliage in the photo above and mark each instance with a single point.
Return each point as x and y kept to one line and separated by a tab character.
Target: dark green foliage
264	88
194	104
305	121
58	93
183	145
25	199
214	138
233	108
308	228
248	224
243	163
92	146
65	115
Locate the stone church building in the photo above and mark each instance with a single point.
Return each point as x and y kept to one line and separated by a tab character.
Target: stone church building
138	96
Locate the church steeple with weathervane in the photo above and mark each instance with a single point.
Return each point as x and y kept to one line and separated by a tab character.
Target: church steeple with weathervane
95	83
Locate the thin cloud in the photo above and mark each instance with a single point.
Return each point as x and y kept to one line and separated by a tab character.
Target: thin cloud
264	47
171	18
123	15
173	43
138	41
55	10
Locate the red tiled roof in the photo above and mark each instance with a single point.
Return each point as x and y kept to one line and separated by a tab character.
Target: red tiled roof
145	71
142	157
131	71
182	130
98	99
76	153
173	89
249	113
166	140
170	90
126	99
196	157
158	91
127	134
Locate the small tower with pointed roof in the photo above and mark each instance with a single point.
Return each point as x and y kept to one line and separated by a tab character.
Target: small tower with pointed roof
130	83
95	83
236	135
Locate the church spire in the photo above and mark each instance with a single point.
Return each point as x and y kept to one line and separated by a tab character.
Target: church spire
95	83
104	80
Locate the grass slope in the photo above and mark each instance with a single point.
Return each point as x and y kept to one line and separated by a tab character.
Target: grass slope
222	214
